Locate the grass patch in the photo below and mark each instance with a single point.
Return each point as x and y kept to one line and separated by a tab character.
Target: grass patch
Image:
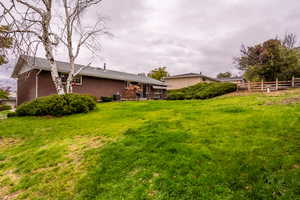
3	114
235	147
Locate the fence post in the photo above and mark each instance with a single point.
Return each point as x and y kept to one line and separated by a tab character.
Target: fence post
293	81
277	84
262	84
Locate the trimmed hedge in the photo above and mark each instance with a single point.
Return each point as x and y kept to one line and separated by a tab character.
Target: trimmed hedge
11	114
176	95
57	105
202	91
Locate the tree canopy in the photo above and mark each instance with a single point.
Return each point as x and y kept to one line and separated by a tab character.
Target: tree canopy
158	73
5	43
224	75
4	93
270	60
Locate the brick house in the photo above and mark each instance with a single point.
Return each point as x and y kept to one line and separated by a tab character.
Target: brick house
34	80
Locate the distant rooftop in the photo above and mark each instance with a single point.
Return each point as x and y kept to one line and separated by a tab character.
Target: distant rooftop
43	64
231	79
298	48
188	75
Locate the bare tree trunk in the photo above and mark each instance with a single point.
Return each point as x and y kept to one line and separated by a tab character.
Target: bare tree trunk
49	51
73	10
69	86
54	72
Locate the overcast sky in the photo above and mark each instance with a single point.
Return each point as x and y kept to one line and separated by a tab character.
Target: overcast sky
187	35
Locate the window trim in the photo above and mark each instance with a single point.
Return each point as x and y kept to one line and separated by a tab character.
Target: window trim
80	80
73	82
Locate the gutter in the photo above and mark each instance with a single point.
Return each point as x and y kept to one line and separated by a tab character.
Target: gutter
37	83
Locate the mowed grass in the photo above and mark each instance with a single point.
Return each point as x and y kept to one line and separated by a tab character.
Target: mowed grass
231	147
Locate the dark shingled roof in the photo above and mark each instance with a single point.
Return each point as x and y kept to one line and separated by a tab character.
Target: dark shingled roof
41	63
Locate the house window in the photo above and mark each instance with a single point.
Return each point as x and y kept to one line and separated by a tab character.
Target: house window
77	80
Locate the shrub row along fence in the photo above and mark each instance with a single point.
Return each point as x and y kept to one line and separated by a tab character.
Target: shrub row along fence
271	86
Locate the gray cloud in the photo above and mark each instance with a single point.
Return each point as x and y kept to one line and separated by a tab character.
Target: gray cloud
187	36
191	36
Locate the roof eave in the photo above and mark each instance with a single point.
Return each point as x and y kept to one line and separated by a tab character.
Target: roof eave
83	74
17	67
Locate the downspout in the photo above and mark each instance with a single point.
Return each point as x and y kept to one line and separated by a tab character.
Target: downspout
37	83
17	96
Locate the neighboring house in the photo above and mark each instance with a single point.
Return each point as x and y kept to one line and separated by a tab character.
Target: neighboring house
237	80
185	80
34	80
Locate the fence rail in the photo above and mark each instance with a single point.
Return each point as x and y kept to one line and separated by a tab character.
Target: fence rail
269	86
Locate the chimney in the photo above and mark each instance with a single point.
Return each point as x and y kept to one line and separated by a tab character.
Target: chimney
104	66
200	73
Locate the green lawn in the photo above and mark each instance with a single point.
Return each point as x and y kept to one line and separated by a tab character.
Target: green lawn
3	114
232	147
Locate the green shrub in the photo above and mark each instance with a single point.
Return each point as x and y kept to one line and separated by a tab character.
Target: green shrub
106	99
5	107
11	114
176	95
57	105
202	91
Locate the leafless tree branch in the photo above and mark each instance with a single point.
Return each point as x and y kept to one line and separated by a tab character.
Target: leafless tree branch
32	25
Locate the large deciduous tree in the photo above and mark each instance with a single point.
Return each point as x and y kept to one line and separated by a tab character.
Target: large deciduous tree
48	24
224	75
270	60
158	73
289	40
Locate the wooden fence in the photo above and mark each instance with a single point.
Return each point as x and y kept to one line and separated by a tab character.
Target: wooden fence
269	86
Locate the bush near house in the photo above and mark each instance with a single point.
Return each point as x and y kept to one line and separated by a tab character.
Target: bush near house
57	105
176	95
202	91
11	114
